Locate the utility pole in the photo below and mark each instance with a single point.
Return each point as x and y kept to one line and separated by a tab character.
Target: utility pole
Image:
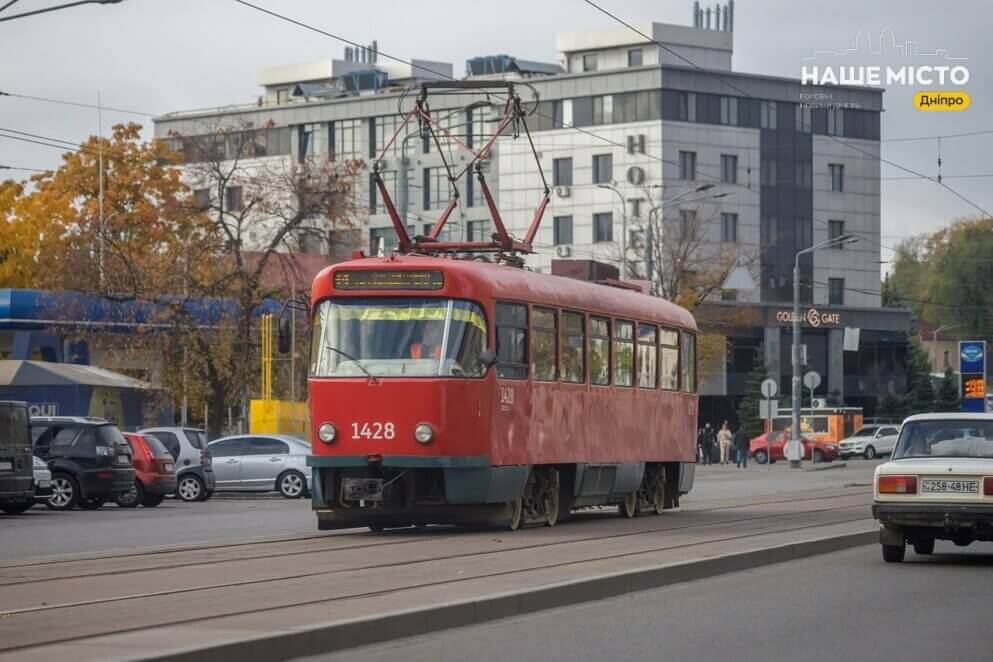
100	228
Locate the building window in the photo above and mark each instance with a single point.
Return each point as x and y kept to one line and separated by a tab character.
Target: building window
836	121
603	168
381	240
573	348
729	168
603	227
687	165
687	223
543	334
603	109
590	62
802	118
470	191
599	351
512	340
308	140
233	199
636	57
477	230
562	172
687	362
283	96
385	128
201	198
729	110
836	229
436	188
836	291
767	115
837	177
648	366
768	174
803	177
729	228
669	350
623	353
686	106
562	230
562	114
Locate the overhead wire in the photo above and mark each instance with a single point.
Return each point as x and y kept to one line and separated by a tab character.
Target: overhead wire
79	104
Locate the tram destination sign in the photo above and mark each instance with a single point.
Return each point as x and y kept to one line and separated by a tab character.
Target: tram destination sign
388	279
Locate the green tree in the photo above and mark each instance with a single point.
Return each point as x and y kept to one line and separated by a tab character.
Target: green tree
920	392
891	408
948	393
748	407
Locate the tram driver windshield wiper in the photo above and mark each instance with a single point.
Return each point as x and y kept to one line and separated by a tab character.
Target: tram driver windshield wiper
372	377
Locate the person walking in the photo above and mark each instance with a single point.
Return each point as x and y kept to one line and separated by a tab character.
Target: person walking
699	446
708	444
724	440
741	445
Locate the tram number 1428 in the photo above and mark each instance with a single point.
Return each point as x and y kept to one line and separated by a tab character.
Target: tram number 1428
374	430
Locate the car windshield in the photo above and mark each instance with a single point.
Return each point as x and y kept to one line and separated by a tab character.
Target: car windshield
866	432
110	435
397	337
945	438
156	447
196	438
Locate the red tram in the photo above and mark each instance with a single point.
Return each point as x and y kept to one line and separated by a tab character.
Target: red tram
457	391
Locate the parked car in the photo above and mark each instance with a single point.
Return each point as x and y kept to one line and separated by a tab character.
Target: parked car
16	466
818	451
42	480
194	472
262	463
937	486
154	472
870	441
89	459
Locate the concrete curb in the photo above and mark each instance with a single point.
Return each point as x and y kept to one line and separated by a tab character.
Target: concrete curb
824	466
341	635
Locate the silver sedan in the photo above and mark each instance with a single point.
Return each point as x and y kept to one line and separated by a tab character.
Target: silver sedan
262	463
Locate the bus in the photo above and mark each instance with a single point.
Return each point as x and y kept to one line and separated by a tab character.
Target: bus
457	391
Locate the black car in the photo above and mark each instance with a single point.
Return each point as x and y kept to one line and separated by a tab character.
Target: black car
89	458
16	463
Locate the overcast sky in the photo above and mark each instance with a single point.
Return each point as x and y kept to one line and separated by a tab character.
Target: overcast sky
158	56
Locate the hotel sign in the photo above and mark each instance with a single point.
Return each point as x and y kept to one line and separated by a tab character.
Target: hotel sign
811	317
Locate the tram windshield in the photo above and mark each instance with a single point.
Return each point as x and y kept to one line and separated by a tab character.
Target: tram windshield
397	337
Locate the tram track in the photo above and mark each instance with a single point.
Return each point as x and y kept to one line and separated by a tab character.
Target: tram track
580	517
59	612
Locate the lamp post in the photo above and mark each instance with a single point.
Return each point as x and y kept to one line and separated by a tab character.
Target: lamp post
795	451
624	216
650	239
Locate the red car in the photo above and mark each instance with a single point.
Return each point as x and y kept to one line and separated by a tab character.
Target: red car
154	470
776	448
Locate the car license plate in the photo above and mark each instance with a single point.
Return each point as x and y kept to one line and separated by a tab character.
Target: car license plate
123	459
932	485
6	466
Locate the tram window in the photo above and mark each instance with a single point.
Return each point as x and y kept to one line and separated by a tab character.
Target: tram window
669	341
688	362
512	340
623	353
573	348
648	366
599	351
543	344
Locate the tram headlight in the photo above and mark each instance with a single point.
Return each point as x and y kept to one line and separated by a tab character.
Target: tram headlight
423	433
326	433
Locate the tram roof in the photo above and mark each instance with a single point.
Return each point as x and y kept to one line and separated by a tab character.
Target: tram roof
513	283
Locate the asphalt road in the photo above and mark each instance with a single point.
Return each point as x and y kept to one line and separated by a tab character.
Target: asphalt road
846	606
224	519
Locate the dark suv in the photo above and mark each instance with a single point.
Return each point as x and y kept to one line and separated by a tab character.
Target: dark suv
89	459
16	463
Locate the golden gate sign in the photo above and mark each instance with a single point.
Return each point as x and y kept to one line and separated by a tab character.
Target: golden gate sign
811	317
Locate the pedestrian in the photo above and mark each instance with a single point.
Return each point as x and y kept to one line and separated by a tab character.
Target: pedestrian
724	440
741	445
699	446
708	444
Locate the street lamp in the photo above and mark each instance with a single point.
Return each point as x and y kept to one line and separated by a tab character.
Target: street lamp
624	216
650	239
795	454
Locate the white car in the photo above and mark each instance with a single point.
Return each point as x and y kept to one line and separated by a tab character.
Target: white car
870	441
262	463
938	486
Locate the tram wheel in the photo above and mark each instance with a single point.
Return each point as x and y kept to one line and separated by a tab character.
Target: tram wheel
630	506
658	497
550	501
515	509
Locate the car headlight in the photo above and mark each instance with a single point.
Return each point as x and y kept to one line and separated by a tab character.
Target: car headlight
423	433
326	433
